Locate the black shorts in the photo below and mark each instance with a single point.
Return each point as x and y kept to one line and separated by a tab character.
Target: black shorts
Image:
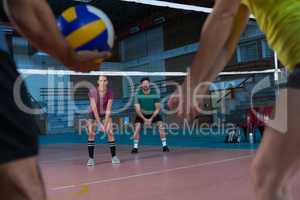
156	119
18	130
92	116
294	78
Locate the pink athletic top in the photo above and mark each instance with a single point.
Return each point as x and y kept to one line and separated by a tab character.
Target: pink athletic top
101	102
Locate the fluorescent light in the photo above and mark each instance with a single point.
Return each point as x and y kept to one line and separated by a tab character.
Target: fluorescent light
172	5
175	5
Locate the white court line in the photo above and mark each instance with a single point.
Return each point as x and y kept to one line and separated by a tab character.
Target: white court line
152	173
44	162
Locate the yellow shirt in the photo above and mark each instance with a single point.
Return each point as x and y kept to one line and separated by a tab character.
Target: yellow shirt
280	21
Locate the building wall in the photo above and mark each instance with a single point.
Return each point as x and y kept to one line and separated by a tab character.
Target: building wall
180	63
138	46
183	30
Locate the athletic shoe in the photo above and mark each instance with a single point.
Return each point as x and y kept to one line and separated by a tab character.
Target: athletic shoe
115	160
90	162
166	149
134	150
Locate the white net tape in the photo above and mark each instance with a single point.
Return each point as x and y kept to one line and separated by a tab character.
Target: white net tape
131	73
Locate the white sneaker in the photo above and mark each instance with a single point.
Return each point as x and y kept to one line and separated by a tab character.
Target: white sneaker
90	162
115	160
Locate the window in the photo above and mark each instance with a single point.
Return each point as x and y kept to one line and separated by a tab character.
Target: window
252	30
248	52
266	50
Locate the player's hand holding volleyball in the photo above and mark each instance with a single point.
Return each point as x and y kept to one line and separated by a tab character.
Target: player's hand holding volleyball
20	174
85	61
89	34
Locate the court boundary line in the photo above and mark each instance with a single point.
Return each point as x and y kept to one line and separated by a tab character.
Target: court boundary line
152	173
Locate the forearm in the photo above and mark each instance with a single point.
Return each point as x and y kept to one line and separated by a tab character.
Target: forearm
107	116
230	45
140	114
108	111
219	65
155	113
96	114
35	20
218	40
204	63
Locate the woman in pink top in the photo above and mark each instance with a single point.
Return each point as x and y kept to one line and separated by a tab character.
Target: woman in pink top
101	99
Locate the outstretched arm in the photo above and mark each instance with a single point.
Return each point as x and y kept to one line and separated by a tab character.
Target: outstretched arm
93	106
108	113
220	34
35	20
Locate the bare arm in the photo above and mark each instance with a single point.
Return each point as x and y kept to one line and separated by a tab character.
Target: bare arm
219	37
220	34
35	20
94	109
108	111
156	112
139	112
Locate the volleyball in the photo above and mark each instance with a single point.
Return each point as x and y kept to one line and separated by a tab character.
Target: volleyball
86	28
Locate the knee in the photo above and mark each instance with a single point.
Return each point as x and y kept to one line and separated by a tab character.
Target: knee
161	130
92	135
22	179
258	173
266	176
110	134
137	129
38	192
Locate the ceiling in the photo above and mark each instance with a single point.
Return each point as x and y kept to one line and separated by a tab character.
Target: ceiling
121	13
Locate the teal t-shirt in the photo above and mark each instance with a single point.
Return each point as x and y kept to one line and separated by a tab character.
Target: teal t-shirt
147	102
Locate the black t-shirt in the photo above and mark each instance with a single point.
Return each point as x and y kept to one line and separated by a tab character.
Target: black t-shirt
18	130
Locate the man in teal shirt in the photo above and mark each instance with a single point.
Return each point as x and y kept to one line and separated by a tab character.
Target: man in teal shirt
147	109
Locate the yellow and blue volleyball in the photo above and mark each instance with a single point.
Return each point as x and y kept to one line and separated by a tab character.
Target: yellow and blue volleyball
87	28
